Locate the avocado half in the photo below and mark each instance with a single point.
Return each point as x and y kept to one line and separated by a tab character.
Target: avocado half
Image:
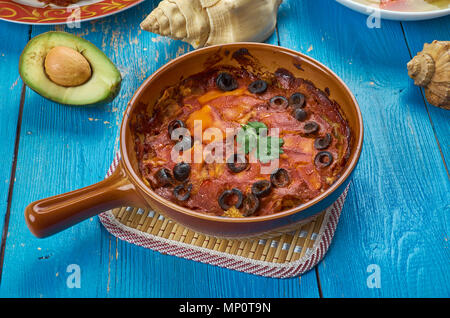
102	86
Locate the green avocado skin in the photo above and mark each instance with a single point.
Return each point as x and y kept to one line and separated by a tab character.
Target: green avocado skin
111	96
103	86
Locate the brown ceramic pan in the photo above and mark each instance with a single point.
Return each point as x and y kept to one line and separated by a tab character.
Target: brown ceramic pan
126	188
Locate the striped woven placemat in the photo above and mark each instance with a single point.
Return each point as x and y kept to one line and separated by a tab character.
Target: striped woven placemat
288	255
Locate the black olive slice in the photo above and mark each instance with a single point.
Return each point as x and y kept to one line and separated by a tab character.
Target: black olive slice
237	163
250	204
226	197
181	171
279	101
261	188
257	87
323	142
300	114
174	124
297	100
311	127
280	178
164	177
183	191
226	82
323	159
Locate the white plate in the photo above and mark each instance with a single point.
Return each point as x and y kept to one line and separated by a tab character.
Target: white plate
395	15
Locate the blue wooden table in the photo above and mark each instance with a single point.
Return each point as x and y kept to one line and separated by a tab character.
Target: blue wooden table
393	235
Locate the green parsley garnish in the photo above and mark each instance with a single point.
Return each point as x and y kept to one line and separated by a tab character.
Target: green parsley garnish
253	135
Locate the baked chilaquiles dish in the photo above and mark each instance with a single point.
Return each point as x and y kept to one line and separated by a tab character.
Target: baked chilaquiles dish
232	143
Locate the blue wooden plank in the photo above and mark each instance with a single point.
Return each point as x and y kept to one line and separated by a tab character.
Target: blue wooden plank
418	33
12	39
396	216
137	272
64	148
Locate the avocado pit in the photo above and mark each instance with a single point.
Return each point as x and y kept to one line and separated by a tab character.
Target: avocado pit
67	67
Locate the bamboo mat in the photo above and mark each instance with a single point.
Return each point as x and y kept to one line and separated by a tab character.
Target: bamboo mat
283	249
286	255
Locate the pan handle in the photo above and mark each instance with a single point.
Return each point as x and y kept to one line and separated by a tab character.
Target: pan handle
54	214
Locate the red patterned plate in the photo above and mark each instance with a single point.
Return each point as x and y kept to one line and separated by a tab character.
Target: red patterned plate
36	12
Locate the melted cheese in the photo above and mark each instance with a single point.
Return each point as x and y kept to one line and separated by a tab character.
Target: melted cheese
233	213
202	117
209	96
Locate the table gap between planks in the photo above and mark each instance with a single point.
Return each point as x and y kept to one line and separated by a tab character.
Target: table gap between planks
395	219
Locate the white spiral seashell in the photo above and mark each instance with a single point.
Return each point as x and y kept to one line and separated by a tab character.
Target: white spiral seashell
209	22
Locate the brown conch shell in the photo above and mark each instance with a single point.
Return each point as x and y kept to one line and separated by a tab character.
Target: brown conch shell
209	22
430	69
